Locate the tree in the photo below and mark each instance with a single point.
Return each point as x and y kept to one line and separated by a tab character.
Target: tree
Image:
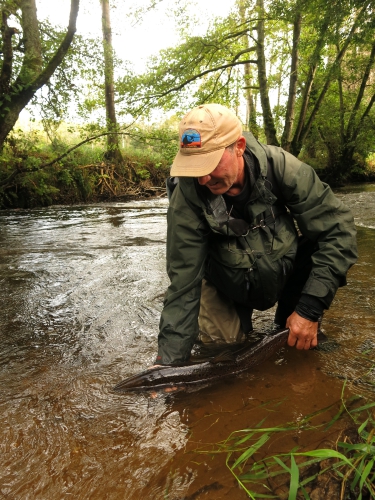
113	149
350	132
294	46
347	37
200	69
24	69
268	120
249	88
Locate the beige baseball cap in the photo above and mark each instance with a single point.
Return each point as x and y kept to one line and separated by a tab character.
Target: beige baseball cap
204	132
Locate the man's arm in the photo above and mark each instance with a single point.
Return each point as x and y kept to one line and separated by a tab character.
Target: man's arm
329	224
324	220
187	237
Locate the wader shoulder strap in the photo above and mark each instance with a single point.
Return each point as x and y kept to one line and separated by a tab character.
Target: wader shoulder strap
170	184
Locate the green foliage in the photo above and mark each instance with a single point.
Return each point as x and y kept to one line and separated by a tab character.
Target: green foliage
75	81
333	128
31	53
166	82
26	179
212	67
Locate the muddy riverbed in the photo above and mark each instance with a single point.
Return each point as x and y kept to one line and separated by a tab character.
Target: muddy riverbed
81	294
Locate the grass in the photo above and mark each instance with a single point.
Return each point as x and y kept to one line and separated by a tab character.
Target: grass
351	464
29	179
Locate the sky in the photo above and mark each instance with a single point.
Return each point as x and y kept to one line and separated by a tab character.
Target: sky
133	40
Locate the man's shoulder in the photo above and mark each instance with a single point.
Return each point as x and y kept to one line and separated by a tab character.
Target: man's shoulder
186	195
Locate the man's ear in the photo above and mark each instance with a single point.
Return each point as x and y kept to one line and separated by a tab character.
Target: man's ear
240	146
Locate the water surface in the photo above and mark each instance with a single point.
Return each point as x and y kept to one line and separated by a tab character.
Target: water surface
81	294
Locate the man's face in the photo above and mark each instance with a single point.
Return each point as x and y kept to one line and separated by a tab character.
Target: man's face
228	176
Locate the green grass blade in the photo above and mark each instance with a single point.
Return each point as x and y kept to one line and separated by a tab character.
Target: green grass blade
250	451
357	474
250	434
364	407
361	427
305	494
294	479
326	453
244	439
336	417
282	464
363	447
365	473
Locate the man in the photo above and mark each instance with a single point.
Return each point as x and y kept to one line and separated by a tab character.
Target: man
231	225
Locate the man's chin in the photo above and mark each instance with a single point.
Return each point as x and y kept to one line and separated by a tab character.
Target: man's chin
218	189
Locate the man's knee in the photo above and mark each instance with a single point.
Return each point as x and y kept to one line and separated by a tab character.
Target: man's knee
218	319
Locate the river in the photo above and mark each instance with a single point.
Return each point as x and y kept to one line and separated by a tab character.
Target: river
81	294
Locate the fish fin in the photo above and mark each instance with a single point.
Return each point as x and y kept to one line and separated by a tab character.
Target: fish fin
223	357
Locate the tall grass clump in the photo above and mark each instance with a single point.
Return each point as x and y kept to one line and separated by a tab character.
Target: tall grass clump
36	171
350	465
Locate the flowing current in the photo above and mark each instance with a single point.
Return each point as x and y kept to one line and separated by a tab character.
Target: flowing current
81	294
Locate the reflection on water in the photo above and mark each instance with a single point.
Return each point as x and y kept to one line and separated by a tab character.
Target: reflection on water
81	293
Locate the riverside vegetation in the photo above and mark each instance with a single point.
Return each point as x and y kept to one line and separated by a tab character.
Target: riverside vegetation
35	172
300	74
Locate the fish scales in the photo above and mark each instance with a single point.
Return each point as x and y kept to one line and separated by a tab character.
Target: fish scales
162	377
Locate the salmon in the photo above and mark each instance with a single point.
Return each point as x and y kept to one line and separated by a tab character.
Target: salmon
224	364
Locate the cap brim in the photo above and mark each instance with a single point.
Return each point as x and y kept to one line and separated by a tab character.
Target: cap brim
195	165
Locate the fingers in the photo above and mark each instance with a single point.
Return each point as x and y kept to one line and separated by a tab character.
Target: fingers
314	342
302	332
301	342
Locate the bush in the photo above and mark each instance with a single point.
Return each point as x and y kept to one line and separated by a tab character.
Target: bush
27	179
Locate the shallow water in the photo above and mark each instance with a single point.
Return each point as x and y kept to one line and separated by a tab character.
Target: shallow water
81	294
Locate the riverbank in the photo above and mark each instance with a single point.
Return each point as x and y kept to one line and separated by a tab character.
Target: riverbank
36	174
75	182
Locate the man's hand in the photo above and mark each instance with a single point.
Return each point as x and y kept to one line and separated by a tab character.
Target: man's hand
302	333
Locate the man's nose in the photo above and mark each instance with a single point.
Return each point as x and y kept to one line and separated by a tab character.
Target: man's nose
204	179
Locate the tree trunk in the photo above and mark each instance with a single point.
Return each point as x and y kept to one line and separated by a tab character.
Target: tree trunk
7	50
16	94
32	61
248	78
296	144
269	124
342	104
113	148
350	134
304	129
290	107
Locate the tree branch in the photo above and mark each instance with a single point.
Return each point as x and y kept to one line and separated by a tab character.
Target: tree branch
309	81
89	139
329	77
244	51
290	107
199	75
365	114
62	50
350	127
